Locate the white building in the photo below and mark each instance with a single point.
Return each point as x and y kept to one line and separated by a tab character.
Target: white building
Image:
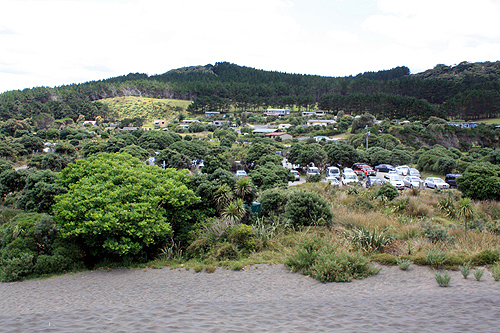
277	112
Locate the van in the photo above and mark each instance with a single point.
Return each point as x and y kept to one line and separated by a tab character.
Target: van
451	179
333	172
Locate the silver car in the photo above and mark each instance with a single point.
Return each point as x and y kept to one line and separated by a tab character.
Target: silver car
435	182
394	180
412	182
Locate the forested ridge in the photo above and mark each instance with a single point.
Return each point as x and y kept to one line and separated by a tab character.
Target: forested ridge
465	91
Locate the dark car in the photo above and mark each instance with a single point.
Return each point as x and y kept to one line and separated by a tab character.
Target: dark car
372	181
384	168
451	179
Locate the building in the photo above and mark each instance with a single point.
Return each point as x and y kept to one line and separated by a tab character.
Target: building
277	112
159	124
464	125
263	130
185	123
212	113
91	122
313	113
283	136
284	126
320	122
219	123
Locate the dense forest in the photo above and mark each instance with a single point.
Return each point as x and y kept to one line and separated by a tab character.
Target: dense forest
465	91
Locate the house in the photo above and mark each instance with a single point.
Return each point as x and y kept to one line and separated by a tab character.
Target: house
219	123
263	130
212	113
283	136
313	113
464	125
132	129
320	137
159	124
277	112
90	122
185	123
320	122
284	126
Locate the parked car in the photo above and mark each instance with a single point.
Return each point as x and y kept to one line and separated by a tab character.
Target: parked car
435	182
241	173
384	168
412	182
311	171
333	172
403	170
348	170
360	168
394	180
332	179
451	179
372	181
296	174
349	178
414	172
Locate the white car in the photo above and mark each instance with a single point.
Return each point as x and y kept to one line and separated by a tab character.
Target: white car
311	171
412	182
241	173
394	180
414	172
296	174
435	182
403	170
333	180
348	170
349	178
333	172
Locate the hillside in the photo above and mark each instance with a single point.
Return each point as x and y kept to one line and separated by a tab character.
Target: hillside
465	91
147	108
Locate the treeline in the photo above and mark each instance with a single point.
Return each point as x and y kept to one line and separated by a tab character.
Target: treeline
466	91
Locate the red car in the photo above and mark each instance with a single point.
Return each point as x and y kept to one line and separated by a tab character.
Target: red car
360	168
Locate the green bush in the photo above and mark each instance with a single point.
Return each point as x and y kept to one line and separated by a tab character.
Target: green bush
226	251
313	178
317	258
465	270
307	208
404	263
435	258
49	264
243	237
485	257
274	201
16	268
443	280
435	233
387	191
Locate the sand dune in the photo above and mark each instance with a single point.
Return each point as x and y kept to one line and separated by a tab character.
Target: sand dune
262	298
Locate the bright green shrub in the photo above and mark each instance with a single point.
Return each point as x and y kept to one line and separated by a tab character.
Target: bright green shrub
485	257
243	237
49	264
16	268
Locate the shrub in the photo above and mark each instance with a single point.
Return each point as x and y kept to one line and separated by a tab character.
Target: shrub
485	257
367	240
478	273
274	200
443	280
319	259
435	233
243	237
47	264
313	178
387	192
16	268
198	247
435	258
465	270
307	208
495	272
226	251
404	263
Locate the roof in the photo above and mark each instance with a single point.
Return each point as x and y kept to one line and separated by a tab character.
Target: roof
264	130
276	133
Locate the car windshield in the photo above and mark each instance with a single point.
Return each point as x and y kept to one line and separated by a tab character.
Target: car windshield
438	180
314	171
415	179
350	176
395	178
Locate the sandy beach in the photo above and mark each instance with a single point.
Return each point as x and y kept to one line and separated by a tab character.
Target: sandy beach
262	298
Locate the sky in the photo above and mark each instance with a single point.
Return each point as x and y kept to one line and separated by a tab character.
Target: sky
58	42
